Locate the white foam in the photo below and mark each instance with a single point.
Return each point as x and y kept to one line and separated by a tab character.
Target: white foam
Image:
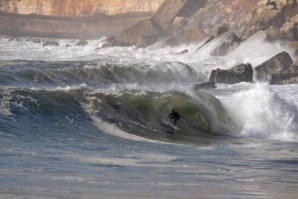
262	113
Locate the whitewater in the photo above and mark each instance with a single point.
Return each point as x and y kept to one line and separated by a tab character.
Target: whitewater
87	122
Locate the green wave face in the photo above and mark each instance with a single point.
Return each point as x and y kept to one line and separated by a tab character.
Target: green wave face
146	114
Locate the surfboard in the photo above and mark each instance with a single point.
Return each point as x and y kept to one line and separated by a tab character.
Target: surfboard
170	126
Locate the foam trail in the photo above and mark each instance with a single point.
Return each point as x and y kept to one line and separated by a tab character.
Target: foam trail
263	114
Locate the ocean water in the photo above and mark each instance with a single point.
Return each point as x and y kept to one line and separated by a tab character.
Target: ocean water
88	123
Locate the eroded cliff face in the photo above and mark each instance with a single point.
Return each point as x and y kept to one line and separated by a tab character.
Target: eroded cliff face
78	8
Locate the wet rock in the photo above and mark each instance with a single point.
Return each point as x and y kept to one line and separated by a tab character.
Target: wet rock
204	85
239	73
227	42
36	40
279	62
51	43
183	52
289	76
147	28
115	43
82	42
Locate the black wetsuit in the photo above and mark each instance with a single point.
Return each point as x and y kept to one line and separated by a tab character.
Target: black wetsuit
174	115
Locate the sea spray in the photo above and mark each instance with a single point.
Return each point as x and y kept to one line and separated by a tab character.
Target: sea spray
263	114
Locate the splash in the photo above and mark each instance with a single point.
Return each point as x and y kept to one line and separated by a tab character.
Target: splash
263	114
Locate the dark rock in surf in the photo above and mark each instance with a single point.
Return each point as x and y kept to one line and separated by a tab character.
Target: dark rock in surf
82	42
183	52
36	40
236	74
51	43
146	28
279	62
289	76
114	43
204	85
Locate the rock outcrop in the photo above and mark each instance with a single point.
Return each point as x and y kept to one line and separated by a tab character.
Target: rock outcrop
170	9
289	76
146	28
78	8
204	85
279	62
239	73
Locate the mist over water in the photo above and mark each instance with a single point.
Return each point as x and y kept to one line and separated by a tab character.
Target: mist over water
83	122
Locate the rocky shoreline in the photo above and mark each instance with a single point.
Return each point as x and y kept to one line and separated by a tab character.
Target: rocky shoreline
224	22
179	22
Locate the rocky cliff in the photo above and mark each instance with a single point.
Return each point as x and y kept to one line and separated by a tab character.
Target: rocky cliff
72	18
78	8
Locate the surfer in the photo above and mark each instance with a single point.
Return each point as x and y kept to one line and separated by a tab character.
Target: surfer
174	115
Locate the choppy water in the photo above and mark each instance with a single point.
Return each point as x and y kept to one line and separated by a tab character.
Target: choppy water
76	122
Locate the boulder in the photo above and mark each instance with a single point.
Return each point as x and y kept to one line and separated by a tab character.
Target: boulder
279	62
289	7
275	33
82	42
262	20
114	43
204	85
51	43
219	29
290	28
147	27
196	19
170	9
193	35
227	42
36	40
236	74
267	18
289	76
109	39
167	11
144	41
183	52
